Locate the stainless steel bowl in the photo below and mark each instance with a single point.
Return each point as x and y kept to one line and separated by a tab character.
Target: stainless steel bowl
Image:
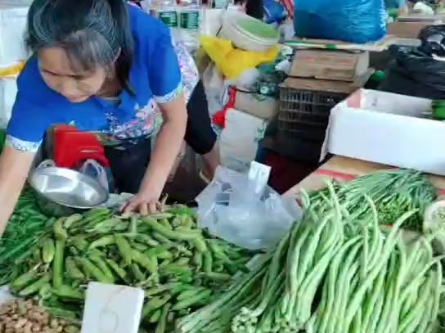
61	192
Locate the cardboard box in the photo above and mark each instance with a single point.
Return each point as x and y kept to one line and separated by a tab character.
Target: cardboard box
332	86
405	29
388	129
429	19
263	107
329	65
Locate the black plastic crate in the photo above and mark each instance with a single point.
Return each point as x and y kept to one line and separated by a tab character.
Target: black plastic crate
302	111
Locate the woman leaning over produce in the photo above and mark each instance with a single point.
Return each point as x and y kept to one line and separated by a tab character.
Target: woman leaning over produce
109	68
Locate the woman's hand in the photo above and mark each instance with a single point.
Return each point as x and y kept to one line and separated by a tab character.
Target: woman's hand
167	147
145	202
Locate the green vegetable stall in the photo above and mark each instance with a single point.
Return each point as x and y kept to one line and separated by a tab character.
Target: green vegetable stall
346	266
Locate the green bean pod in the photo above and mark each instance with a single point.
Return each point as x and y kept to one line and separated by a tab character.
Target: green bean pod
58	264
68	292
162	323
102	242
36	286
25	278
155	316
169	234
117	269
196	299
59	231
91	269
72	270
124	248
102	265
71	220
48	251
144	261
154	304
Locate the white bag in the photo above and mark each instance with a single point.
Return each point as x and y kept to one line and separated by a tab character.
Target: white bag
243	210
239	139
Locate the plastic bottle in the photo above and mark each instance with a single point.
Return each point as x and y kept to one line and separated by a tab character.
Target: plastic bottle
167	11
190	18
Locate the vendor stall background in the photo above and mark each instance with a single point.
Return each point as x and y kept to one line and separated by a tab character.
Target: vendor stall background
249	110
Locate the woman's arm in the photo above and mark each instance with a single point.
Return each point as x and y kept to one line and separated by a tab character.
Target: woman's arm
14	169
168	143
165	80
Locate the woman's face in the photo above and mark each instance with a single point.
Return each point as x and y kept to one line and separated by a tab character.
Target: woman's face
58	74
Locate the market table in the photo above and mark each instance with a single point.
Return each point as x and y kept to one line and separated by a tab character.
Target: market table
344	168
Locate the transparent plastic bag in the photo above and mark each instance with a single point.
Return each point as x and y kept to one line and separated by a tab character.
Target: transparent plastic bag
243	210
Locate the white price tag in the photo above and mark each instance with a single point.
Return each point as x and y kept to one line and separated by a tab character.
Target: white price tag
112	309
258	176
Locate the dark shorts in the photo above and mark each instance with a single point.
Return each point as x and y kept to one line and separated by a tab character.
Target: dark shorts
128	166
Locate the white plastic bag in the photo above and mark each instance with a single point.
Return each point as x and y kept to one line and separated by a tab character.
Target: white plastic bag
243	210
239	139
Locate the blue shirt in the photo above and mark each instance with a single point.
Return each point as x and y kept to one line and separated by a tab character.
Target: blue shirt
155	77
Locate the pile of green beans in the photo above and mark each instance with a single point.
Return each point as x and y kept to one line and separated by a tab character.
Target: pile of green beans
180	267
393	192
25	227
326	277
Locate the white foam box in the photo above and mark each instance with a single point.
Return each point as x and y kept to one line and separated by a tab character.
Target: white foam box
388	129
8	91
13	15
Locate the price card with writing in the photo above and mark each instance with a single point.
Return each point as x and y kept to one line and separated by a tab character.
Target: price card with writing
112	309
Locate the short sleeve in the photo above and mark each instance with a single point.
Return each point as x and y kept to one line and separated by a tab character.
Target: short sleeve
164	72
29	120
26	129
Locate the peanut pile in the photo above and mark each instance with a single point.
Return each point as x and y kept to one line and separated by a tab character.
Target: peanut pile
19	316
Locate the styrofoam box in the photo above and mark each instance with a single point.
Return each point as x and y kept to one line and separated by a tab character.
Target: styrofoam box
13	14
389	129
8	91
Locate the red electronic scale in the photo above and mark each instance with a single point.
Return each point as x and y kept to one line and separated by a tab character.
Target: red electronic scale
72	147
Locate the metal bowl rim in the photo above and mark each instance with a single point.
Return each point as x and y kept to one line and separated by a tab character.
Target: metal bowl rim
67	173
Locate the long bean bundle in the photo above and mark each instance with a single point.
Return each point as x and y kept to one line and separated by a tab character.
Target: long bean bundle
393	192
25	227
332	273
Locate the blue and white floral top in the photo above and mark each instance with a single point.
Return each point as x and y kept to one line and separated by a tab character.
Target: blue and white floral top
155	78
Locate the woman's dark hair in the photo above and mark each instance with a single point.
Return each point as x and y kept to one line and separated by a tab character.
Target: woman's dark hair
254	8
92	33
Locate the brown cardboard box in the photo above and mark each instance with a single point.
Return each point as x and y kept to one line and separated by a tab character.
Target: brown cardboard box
328	85
263	107
405	29
329	65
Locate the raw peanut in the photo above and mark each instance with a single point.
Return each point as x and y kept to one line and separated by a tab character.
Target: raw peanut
20	323
27	328
54	323
36	328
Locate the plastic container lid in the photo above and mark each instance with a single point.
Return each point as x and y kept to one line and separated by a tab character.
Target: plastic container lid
257	28
249	33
